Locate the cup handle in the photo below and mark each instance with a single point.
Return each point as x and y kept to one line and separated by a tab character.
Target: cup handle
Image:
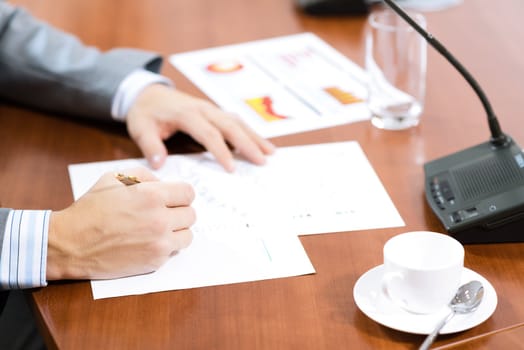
387	279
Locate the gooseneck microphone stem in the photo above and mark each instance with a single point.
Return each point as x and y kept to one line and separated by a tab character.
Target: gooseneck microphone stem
498	138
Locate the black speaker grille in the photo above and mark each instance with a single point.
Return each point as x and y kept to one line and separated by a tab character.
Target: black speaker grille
488	176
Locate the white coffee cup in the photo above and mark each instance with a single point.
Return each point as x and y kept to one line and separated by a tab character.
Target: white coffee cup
422	270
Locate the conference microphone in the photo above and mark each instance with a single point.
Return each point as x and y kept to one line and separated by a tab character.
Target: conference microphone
477	193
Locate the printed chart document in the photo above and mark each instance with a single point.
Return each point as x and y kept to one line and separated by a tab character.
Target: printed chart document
248	221
282	85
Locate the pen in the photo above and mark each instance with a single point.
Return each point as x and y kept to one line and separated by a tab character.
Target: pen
127	179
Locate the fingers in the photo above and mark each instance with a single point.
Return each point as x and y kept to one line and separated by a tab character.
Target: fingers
169	194
265	145
210	137
151	145
180	218
216	127
149	189
244	139
180	239
239	139
160	111
180	235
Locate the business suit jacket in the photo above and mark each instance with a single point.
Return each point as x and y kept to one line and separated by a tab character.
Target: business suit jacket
42	67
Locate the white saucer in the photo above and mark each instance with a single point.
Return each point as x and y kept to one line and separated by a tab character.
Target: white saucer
376	305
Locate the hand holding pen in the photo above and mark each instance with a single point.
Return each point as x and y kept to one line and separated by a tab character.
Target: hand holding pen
133	227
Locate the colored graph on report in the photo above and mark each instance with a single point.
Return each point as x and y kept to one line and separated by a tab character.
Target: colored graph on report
344	97
263	106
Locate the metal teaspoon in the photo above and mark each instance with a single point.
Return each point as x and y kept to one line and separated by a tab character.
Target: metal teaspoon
467	299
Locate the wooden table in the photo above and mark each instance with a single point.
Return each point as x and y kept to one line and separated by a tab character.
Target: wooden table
307	312
508	338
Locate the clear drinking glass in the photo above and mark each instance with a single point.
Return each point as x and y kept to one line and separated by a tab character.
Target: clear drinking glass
396	66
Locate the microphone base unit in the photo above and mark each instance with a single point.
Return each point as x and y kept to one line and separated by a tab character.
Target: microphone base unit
478	193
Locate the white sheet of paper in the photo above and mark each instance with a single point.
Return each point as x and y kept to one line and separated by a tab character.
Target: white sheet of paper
247	221
281	85
429	5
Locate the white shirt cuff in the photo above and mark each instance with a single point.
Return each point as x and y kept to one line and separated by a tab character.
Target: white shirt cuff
130	88
23	260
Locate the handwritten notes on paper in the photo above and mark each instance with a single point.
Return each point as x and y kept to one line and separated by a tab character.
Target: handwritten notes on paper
248	221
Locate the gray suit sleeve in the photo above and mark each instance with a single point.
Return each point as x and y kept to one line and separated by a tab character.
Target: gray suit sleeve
43	67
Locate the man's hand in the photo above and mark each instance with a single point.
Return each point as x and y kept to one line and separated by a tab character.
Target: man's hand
116	230
160	111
